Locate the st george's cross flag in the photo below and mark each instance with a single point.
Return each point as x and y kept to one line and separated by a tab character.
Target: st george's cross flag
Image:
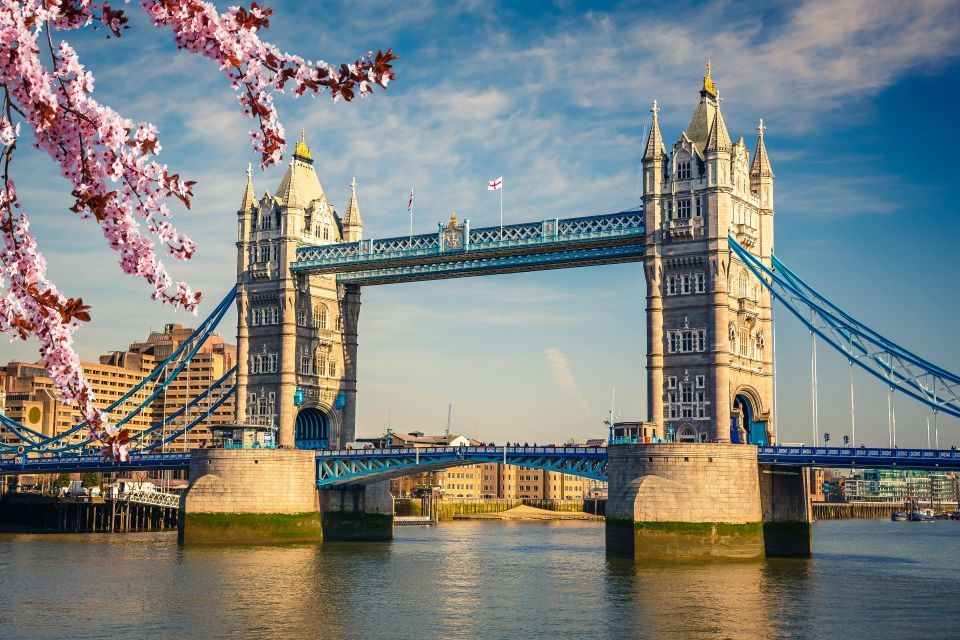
410	202
495	185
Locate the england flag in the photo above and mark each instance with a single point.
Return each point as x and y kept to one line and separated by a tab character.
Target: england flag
495	185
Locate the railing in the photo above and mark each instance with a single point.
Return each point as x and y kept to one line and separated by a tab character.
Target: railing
461	239
412	451
154	498
863	452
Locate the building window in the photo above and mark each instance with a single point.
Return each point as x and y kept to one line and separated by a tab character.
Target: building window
338	323
686	340
683	171
326	232
672	382
701	282
332	368
672	285
699	201
685	283
701	382
320	363
305	364
683	207
301	317
320	316
276	252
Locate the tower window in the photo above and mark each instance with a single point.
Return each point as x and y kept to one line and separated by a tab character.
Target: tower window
320	316
701	282
672	285
683	171
683	209
672	382
701	381
699	206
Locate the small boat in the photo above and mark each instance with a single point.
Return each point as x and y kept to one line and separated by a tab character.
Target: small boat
923	515
900	516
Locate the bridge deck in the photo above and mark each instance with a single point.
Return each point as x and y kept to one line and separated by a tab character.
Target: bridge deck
457	251
361	466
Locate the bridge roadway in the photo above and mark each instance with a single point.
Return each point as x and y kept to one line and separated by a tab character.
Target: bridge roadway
363	466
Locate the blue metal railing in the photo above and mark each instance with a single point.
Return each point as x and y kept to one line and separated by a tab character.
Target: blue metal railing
549	235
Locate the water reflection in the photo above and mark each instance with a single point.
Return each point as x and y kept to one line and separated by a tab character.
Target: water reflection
477	580
704	599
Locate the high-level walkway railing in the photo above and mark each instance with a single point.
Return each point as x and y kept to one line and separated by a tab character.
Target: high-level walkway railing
456	250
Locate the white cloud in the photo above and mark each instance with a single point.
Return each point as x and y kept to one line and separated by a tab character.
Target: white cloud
564	377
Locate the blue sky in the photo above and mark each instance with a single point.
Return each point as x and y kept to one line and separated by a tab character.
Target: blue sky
859	98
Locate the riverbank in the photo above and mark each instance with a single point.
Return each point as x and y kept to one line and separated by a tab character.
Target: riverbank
523	512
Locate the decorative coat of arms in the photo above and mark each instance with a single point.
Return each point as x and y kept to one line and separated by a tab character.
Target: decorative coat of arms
453	234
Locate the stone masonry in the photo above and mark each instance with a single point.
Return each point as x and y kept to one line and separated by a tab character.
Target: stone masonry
684	483
251	481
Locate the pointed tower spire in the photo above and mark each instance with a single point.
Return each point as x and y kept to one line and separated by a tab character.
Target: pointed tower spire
709	88
761	161
301	150
655	148
718	139
352	224
249	199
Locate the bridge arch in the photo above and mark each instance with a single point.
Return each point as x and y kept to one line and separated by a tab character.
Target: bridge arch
749	423
313	428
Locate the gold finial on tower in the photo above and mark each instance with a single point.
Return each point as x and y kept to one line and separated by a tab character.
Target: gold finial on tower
708	85
453	218
301	149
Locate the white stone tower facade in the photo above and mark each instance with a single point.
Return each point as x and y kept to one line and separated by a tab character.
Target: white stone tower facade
709	320
296	334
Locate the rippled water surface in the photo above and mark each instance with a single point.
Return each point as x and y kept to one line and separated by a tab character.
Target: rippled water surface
521	580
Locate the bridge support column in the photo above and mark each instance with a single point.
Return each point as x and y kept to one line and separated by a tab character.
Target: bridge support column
360	513
785	499
683	500
250	496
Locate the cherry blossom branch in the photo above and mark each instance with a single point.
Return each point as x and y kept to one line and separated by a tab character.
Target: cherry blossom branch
110	160
257	69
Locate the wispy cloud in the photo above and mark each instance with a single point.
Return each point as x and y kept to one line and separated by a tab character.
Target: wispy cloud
564	377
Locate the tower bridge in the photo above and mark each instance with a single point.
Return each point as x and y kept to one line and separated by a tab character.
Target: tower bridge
705	237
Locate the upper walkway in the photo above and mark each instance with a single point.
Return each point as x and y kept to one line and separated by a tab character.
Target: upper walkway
457	251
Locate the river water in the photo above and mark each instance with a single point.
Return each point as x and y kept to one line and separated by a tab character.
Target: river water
516	580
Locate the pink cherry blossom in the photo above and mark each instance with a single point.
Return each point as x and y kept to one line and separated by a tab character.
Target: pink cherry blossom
110	160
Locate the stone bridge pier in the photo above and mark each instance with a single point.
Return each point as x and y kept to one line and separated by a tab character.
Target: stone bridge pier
265	496
698	500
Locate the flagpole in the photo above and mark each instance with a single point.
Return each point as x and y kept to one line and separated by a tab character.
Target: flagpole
411	214
501	209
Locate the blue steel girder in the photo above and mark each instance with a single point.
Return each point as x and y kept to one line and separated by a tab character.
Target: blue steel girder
458	251
891	363
363	466
587	257
17	465
861	457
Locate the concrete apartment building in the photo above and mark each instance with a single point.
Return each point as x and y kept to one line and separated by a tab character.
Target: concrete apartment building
29	398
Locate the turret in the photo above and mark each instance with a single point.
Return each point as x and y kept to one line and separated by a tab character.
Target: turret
654	162
352	224
761	174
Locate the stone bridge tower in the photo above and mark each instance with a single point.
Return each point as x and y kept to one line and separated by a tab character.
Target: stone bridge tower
709	322
296	334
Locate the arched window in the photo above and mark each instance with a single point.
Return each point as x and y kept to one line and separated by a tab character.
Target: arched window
320	316
301	316
742	285
686	433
